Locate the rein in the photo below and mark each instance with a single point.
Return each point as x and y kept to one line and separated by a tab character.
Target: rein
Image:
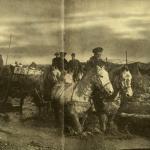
107	84
86	89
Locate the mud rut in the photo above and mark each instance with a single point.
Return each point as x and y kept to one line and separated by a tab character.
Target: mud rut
30	133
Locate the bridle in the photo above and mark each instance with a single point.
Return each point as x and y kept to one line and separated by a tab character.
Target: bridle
123	88
103	86
106	84
89	90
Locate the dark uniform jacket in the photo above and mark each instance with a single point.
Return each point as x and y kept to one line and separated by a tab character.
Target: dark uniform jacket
62	64
55	62
92	62
74	65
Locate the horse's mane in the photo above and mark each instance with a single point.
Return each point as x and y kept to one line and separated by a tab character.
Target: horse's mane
84	82
88	74
115	76
116	72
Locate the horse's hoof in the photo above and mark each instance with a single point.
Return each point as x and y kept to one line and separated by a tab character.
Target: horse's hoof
97	131
113	133
90	133
83	135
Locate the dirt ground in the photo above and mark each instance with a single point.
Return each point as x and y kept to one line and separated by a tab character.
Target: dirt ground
31	133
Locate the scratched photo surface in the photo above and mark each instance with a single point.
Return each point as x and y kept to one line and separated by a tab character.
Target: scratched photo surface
74	74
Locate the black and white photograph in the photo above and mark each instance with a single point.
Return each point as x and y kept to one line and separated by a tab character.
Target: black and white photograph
74	75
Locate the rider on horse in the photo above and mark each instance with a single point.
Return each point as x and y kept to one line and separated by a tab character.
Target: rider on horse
96	58
74	66
55	61
62	62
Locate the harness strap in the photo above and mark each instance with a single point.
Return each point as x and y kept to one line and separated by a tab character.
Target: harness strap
73	92
106	84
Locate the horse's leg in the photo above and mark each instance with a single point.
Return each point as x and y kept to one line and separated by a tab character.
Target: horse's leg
21	105
40	111
103	119
84	118
75	119
56	108
47	107
76	123
111	125
60	121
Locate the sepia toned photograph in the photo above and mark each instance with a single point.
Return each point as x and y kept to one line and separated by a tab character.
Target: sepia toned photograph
74	75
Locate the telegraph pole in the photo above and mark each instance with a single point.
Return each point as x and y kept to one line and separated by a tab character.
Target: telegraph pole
8	49
126	58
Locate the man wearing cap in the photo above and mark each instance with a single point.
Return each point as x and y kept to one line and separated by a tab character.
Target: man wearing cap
62	62
74	66
55	60
96	58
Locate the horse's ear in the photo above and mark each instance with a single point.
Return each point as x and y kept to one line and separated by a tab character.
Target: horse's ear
103	67
98	67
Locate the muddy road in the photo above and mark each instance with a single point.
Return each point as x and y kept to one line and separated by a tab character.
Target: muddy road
34	134
29	132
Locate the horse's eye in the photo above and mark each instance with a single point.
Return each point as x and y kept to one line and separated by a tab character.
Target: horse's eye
101	76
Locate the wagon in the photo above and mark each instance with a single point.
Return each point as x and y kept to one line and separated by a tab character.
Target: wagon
20	82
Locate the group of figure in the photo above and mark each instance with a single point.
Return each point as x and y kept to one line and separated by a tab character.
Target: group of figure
95	89
92	90
74	66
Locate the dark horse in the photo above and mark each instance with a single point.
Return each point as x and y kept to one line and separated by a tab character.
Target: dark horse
21	85
108	107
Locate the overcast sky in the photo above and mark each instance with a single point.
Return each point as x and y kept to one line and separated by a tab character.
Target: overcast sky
116	25
35	25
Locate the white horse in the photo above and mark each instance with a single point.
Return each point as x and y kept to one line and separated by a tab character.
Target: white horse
75	99
108	107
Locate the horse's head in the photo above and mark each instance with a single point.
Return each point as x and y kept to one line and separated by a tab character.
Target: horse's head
55	74
102	80
125	82
52	74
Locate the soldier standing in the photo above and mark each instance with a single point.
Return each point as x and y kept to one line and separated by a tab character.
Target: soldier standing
74	66
55	60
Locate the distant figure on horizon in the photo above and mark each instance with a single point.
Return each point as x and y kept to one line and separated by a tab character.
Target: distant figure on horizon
15	64
20	65
33	65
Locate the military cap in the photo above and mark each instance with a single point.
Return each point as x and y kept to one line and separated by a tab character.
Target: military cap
73	54
63	53
97	49
56	53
